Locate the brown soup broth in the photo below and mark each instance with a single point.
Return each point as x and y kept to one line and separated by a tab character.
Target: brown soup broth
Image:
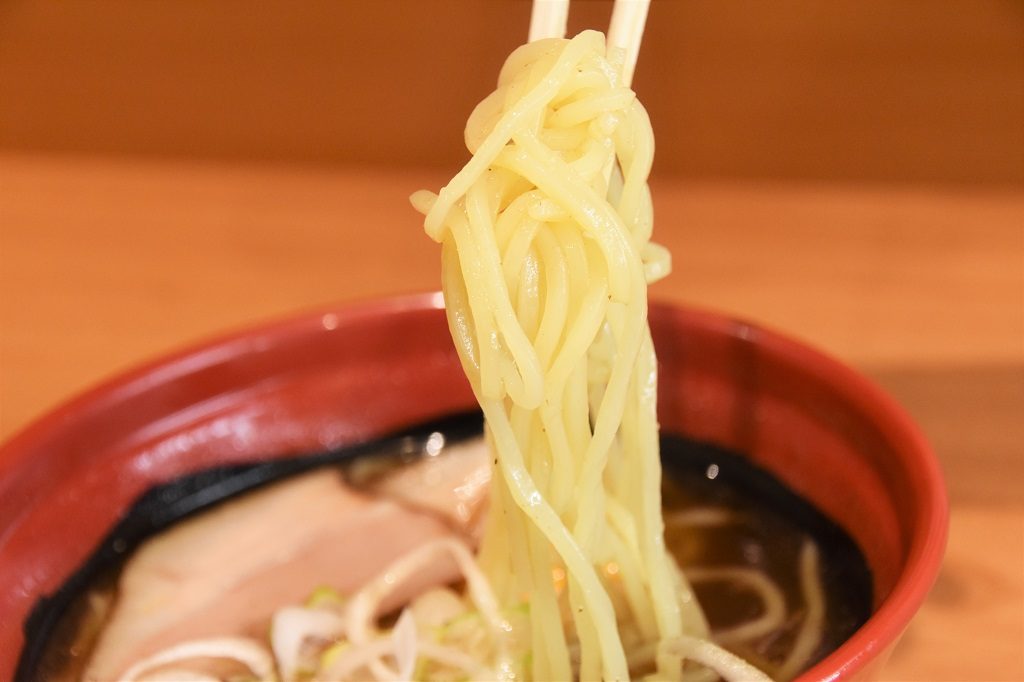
767	526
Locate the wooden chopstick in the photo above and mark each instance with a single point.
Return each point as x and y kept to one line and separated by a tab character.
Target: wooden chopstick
548	19
626	30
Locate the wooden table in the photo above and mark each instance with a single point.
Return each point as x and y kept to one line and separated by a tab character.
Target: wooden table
105	263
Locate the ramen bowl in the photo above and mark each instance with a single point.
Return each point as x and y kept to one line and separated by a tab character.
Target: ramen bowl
334	377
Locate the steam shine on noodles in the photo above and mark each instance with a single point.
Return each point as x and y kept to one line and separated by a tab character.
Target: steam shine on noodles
546	260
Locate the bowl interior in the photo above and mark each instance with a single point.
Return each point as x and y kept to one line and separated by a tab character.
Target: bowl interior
339	376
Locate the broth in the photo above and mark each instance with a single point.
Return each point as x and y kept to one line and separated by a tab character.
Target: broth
720	511
766	528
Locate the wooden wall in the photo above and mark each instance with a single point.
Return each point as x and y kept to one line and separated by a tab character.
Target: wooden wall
916	91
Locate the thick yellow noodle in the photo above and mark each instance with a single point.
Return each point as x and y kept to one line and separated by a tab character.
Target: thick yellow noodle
545	273
546	259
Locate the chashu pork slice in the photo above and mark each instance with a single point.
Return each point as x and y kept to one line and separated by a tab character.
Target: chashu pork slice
451	481
226	571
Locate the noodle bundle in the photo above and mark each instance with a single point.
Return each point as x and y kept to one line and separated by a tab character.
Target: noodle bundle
546	258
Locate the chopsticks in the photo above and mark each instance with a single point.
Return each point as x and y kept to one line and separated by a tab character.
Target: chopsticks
548	19
626	30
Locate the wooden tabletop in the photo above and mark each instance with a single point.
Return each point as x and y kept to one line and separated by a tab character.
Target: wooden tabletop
105	263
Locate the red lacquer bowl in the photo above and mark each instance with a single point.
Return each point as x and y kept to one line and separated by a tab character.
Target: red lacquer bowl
338	376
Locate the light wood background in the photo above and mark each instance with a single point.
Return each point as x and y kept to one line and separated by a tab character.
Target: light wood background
851	172
892	90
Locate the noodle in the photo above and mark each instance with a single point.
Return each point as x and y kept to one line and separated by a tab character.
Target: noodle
545	283
546	258
245	651
729	666
774	603
809	636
